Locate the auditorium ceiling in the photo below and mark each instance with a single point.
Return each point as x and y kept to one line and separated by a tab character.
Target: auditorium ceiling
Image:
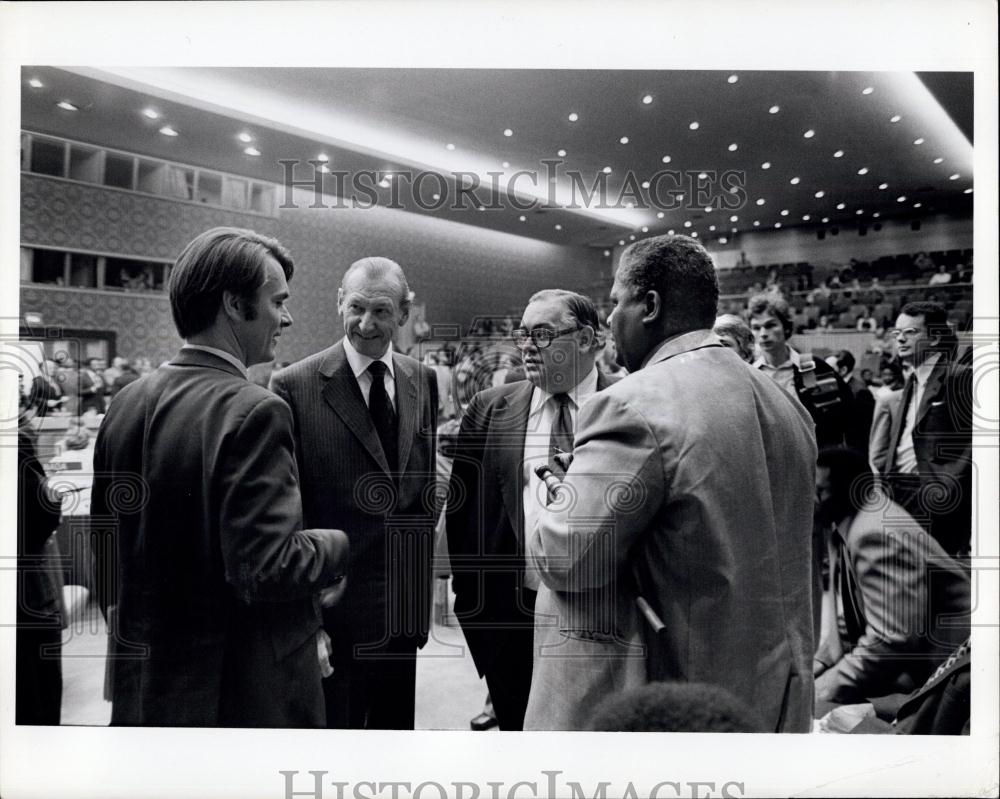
580	157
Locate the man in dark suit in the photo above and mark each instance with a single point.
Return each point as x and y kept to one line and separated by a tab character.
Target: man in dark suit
496	496
859	424
365	421
218	588
929	466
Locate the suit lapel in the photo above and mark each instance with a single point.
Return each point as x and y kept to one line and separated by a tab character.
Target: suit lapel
407	410
342	393
899	423
508	429
934	381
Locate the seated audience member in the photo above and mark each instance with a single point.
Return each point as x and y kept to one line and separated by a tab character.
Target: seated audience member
940	277
736	334
905	602
674	707
866	322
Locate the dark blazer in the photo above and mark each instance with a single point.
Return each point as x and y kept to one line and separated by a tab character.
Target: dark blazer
346	483
42	390
942	443
485	518
217	607
859	425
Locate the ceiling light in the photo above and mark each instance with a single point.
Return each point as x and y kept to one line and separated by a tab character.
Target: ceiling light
766	165
918	141
659	215
794	181
647	99
956	176
773	109
916	205
35	83
819	194
968	191
694	126
630	205
505	164
901	198
806	217
777	224
734	218
841	206
323	157
645	229
251	151
863	170
735	230
687	223
150	113
666	159
876	215
709	209
384	183
895	118
671	232
723	240
825	219
523	218
573	117
481	208
387	176
809	133
756	223
558	227
435	196
246	138
166	130
883	186
631	238
784	212
621	242
939	160
694	234
859	212
623	140
733	78
449	146
702	175
838	154
867	90
324	169
645	184
760	201
711	228
607	253
606	170
508	132
561	153
66	105
733	147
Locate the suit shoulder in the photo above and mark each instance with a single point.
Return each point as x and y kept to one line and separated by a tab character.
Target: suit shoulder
305	368
491	396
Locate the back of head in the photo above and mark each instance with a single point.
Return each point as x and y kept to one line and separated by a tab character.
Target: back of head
674	707
681	271
219	260
845	360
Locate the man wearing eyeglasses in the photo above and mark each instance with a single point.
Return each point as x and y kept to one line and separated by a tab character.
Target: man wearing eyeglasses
495	495
930	455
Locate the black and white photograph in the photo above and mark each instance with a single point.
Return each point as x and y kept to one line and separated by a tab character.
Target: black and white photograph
499	401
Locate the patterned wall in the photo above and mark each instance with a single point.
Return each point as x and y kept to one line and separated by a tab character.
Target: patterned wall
458	271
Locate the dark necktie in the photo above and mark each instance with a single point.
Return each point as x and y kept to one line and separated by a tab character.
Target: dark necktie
561	440
382	413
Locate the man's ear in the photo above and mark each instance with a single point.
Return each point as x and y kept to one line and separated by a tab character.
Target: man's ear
233	306
587	338
653	307
404	314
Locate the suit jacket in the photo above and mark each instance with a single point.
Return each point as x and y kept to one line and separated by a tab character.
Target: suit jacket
859	425
346	483
880	438
695	475
216	597
906	605
485	516
942	443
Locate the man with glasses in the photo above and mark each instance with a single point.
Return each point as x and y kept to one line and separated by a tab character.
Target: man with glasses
929	467
496	496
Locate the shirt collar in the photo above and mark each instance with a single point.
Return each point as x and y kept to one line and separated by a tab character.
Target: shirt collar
580	393
922	372
226	356
359	363
791	362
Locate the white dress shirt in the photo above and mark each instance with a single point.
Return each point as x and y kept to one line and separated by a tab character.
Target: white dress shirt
906	456
359	365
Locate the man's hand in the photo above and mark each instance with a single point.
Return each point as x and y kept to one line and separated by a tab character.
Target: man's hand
331	596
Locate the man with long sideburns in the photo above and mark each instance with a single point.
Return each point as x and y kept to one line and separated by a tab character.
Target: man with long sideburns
691	487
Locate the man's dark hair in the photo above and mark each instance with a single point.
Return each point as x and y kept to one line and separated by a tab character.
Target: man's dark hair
935	321
851	478
681	271
845	360
674	707
581	308
219	260
770	305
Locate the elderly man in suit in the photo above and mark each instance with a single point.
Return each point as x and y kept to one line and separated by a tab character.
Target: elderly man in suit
691	488
218	590
365	421
496	495
905	602
929	466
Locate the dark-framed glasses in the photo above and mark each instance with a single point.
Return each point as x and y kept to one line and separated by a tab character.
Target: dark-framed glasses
903	332
541	337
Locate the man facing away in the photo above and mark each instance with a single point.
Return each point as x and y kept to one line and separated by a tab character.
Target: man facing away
365	423
692	480
496	495
218	585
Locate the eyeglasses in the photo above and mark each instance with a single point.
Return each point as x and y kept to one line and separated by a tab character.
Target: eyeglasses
541	337
905	332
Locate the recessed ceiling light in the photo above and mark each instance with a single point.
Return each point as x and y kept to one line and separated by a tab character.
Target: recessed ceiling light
694	126
694	234
508	132
607	253
481	208
867	90
388	176
251	151
435	196
384	183
806	217
561	153
917	205
449	146
246	138
659	215
773	109
505	164
967	191
766	165
841	206
324	169
939	160
666	159
819	194
895	118
901	198
735	230
859	212
883	186
876	215
150	113
711	227
760	201
723	240
687	223
558	227
66	105
733	147
606	170
630	205
35	83
647	99
573	117
323	157
645	184
709	209
756	223
863	170
825	219
918	141
631	238
166	130
777	224
956	176
523	218
734	218
838	154
794	181
702	175
809	133
733	78
621	242
784	212
623	140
